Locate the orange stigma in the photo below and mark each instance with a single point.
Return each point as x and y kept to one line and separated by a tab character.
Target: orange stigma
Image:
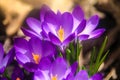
54	78
18	78
61	34
36	58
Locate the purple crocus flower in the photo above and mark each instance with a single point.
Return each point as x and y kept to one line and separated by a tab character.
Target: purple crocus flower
4	61
34	53
59	27
59	70
56	27
83	75
85	29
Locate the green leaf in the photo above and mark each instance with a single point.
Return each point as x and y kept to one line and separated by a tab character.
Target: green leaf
104	57
83	68
101	50
68	51
99	59
96	62
6	75
92	59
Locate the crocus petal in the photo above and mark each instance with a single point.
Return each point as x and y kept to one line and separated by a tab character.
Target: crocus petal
51	18
30	33
41	75
58	68
41	46
69	39
47	27
81	75
49	49
83	37
70	77
9	57
2	68
44	63
38	76
36	49
34	24
22	58
68	71
74	67
1	52
54	39
59	15
44	35
21	45
44	9
91	24
81	26
97	76
78	15
97	33
30	66
67	23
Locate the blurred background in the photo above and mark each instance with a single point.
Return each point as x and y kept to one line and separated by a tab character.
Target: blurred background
13	14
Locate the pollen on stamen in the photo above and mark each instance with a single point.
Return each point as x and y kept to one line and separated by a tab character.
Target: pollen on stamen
61	34
36	58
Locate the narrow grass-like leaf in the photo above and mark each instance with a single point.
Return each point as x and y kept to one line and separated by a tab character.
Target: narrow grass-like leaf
101	50
92	59
104	57
98	65
98	60
72	49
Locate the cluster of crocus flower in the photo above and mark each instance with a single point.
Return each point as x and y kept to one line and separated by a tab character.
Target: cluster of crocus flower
60	70
35	53
48	36
62	28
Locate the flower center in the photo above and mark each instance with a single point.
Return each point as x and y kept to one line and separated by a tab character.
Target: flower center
54	78
18	78
61	34
36	58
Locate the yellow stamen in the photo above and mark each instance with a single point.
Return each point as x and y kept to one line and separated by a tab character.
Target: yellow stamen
36	58
61	34
18	78
54	78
